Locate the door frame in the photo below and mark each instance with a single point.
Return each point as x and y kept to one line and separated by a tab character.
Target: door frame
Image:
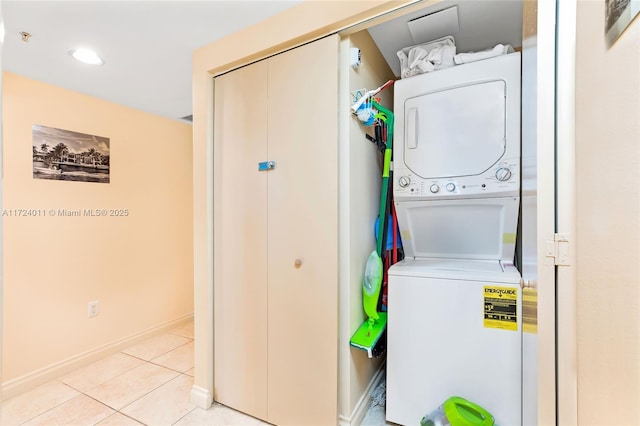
566	200
538	197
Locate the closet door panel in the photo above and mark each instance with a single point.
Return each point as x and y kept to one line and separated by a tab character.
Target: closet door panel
240	229
303	235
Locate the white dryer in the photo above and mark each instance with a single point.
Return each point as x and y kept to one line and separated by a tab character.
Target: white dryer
454	307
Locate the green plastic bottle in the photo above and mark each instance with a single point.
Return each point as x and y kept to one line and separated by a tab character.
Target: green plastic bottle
457	411
371	285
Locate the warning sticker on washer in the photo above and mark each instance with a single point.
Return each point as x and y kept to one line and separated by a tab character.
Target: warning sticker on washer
501	307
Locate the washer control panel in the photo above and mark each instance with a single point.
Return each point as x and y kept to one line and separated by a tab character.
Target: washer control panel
501	179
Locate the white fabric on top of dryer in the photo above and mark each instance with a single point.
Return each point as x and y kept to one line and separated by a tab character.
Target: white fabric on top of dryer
432	56
499	49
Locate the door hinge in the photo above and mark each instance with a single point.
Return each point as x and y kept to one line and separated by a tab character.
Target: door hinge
558	249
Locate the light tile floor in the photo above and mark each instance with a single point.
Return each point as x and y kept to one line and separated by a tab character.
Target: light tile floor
145	384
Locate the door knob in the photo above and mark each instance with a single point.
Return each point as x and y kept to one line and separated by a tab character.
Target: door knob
298	263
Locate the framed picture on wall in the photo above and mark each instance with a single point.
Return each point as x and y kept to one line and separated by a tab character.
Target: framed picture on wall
618	16
66	155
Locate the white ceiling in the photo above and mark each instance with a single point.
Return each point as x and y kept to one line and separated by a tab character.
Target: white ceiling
146	45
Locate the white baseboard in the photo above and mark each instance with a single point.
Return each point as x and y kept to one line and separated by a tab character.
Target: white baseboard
360	410
343	421
201	397
35	378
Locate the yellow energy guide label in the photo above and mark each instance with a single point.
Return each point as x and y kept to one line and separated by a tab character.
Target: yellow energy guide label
501	307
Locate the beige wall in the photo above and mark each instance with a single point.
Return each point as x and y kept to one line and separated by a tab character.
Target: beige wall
139	267
608	221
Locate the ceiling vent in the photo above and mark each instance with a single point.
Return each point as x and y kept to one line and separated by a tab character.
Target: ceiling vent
434	25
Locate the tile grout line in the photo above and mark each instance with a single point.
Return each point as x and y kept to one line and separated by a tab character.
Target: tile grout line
159	355
116	410
127	416
54	407
146	394
150	361
185	415
118	375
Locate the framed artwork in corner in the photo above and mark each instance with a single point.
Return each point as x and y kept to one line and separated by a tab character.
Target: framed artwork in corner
618	16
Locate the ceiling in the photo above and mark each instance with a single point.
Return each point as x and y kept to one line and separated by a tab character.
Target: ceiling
146	45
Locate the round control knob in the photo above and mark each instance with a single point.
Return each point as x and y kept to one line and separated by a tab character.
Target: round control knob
404	181
503	174
451	187
434	188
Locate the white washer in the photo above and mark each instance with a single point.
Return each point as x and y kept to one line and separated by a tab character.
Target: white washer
454	307
454	329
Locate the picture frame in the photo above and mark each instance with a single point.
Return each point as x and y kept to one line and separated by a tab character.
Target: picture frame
60	154
618	16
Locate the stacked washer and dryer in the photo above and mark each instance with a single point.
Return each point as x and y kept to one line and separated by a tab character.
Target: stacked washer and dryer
454	312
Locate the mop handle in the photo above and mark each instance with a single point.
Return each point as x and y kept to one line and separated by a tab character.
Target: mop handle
388	119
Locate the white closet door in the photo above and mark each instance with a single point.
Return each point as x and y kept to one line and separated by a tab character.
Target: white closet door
303	235
240	266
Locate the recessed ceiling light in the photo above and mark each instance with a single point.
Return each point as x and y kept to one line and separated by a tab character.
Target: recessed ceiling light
86	56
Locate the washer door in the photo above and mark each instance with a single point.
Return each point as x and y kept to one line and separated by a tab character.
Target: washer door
460	131
480	229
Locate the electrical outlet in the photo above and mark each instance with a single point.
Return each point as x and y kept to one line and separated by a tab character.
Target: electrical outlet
93	309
